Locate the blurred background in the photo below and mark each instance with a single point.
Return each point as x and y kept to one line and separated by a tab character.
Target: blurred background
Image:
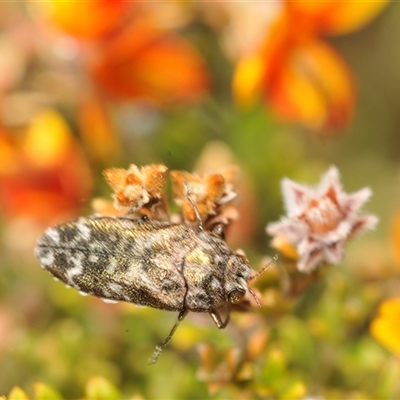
280	89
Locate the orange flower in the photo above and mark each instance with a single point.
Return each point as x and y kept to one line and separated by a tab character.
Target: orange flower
45	176
385	328
87	19
151	64
97	129
130	55
335	17
301	76
395	236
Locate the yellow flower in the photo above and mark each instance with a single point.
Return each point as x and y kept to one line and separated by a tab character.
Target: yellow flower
385	328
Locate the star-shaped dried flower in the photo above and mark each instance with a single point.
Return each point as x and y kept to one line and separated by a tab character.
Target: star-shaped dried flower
136	188
319	220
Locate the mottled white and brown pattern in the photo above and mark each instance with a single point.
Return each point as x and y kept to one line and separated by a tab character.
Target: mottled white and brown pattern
163	265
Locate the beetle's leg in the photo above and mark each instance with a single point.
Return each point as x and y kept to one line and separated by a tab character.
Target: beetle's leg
218	230
157	351
218	321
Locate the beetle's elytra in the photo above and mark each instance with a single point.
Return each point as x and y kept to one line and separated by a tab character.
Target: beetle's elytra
174	267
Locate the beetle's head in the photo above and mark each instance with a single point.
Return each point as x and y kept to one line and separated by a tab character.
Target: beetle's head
241	273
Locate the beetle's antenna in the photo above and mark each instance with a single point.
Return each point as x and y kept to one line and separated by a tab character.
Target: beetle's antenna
260	272
157	351
265	267
254	296
193	204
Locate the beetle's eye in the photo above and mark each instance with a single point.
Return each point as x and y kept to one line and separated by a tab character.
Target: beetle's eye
235	296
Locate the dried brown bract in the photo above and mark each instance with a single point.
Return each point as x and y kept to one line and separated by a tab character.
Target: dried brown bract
212	194
234	367
139	190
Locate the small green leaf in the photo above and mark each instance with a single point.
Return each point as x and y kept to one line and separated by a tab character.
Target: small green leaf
17	394
99	388
274	368
44	392
294	390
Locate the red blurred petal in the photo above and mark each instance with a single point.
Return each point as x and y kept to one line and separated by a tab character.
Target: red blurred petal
151	64
47	180
303	79
314	86
97	130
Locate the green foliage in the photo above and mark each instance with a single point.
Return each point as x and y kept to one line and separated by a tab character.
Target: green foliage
97	388
41	392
